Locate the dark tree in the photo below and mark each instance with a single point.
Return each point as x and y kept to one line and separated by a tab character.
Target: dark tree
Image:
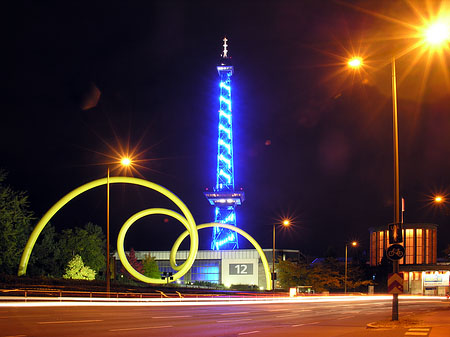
88	242
131	257
15	225
45	257
150	267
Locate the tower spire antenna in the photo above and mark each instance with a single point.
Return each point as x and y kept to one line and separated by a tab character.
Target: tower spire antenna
224	197
225	50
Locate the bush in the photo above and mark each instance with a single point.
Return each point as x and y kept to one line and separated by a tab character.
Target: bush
76	270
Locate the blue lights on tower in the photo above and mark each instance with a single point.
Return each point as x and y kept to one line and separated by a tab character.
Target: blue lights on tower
224	197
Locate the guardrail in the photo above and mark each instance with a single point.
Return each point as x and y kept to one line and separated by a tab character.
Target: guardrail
73	295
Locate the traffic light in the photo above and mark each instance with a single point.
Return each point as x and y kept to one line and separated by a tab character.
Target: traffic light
395	233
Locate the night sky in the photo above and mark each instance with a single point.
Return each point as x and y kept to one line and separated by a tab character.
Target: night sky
312	138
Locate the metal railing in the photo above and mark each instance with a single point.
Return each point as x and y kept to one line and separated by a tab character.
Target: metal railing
73	295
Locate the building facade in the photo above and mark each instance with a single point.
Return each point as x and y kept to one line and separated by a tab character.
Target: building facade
227	267
421	272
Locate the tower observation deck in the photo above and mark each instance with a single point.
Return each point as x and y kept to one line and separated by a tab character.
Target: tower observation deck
224	198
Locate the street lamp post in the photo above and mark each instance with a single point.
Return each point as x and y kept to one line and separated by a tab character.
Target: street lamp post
273	259
285	223
356	64
108	273
437	35
354	244
124	162
395	265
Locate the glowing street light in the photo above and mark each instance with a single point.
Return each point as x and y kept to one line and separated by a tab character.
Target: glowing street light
125	161
285	223
437	33
354	244
355	62
439	199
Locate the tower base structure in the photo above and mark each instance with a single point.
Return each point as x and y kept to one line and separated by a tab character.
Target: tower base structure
225	203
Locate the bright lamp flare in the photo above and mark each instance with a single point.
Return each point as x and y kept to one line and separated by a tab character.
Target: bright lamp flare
438	199
355	62
438	33
354	243
286	222
126	161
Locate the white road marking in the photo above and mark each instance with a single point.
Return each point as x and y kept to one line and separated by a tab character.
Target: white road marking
302	324
302	310
248	333
419	329
345	317
278	310
143	328
69	322
234	320
235	313
288	315
416	333
17	336
160	317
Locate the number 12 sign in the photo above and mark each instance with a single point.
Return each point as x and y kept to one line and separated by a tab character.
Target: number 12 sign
241	269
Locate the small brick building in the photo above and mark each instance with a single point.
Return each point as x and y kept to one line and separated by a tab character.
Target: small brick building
421	272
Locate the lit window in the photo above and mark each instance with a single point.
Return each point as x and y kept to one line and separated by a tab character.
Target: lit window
380	246
373	249
419	246
409	246
205	270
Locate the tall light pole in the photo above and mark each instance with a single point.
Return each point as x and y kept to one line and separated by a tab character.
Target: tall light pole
356	63
124	162
108	272
285	223
354	244
395	264
435	36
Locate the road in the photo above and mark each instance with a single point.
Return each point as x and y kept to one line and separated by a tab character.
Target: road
317	317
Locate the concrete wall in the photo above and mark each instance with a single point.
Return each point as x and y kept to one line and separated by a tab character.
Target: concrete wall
240	271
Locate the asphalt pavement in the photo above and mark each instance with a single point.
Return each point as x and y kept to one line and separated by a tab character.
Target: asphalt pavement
317	317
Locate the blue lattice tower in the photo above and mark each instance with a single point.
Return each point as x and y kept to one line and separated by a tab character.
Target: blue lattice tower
224	198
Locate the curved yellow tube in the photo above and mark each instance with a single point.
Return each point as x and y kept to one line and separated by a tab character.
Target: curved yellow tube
113	180
187	220
180	239
183	269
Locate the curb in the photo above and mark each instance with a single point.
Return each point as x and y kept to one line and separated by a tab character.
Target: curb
406	325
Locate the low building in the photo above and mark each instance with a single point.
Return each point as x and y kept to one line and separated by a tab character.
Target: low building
422	273
227	267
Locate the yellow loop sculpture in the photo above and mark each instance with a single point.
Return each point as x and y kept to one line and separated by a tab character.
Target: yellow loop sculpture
185	218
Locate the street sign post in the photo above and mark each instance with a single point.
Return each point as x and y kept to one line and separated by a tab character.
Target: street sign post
395	252
395	283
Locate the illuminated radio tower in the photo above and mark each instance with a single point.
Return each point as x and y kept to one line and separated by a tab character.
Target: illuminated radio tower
223	196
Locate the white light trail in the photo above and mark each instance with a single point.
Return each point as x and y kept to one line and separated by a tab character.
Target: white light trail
127	302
